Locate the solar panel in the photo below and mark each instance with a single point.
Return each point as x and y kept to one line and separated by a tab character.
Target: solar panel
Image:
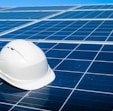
77	41
66	30
40	8
8	25
82	81
96	7
24	15
85	14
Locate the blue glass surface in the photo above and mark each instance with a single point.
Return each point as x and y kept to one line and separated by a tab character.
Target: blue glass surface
107	48
91	47
102	67
96	7
53	62
82	55
84	14
45	45
41	8
4	107
65	46
7	25
97	83
69	73
73	65
57	53
104	56
86	101
65	30
66	79
24	15
22	108
9	94
46	98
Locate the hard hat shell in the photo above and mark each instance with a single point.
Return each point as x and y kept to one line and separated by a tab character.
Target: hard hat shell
24	65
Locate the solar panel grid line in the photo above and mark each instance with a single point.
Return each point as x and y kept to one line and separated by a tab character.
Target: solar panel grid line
52	86
81	19
69	71
92	91
104	61
19	101
73	41
101	74
75	59
5	103
78	89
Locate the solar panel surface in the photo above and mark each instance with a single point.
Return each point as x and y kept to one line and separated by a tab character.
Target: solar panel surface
66	30
24	15
84	72
41	8
96	7
8	25
85	82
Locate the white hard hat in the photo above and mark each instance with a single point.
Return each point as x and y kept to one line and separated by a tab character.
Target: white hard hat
24	65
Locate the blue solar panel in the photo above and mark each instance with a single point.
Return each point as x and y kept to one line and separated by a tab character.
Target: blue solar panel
83	81
8	25
66	30
41	8
84	72
96	7
24	15
85	14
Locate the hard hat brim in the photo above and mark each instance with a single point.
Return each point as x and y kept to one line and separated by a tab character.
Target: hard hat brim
30	84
